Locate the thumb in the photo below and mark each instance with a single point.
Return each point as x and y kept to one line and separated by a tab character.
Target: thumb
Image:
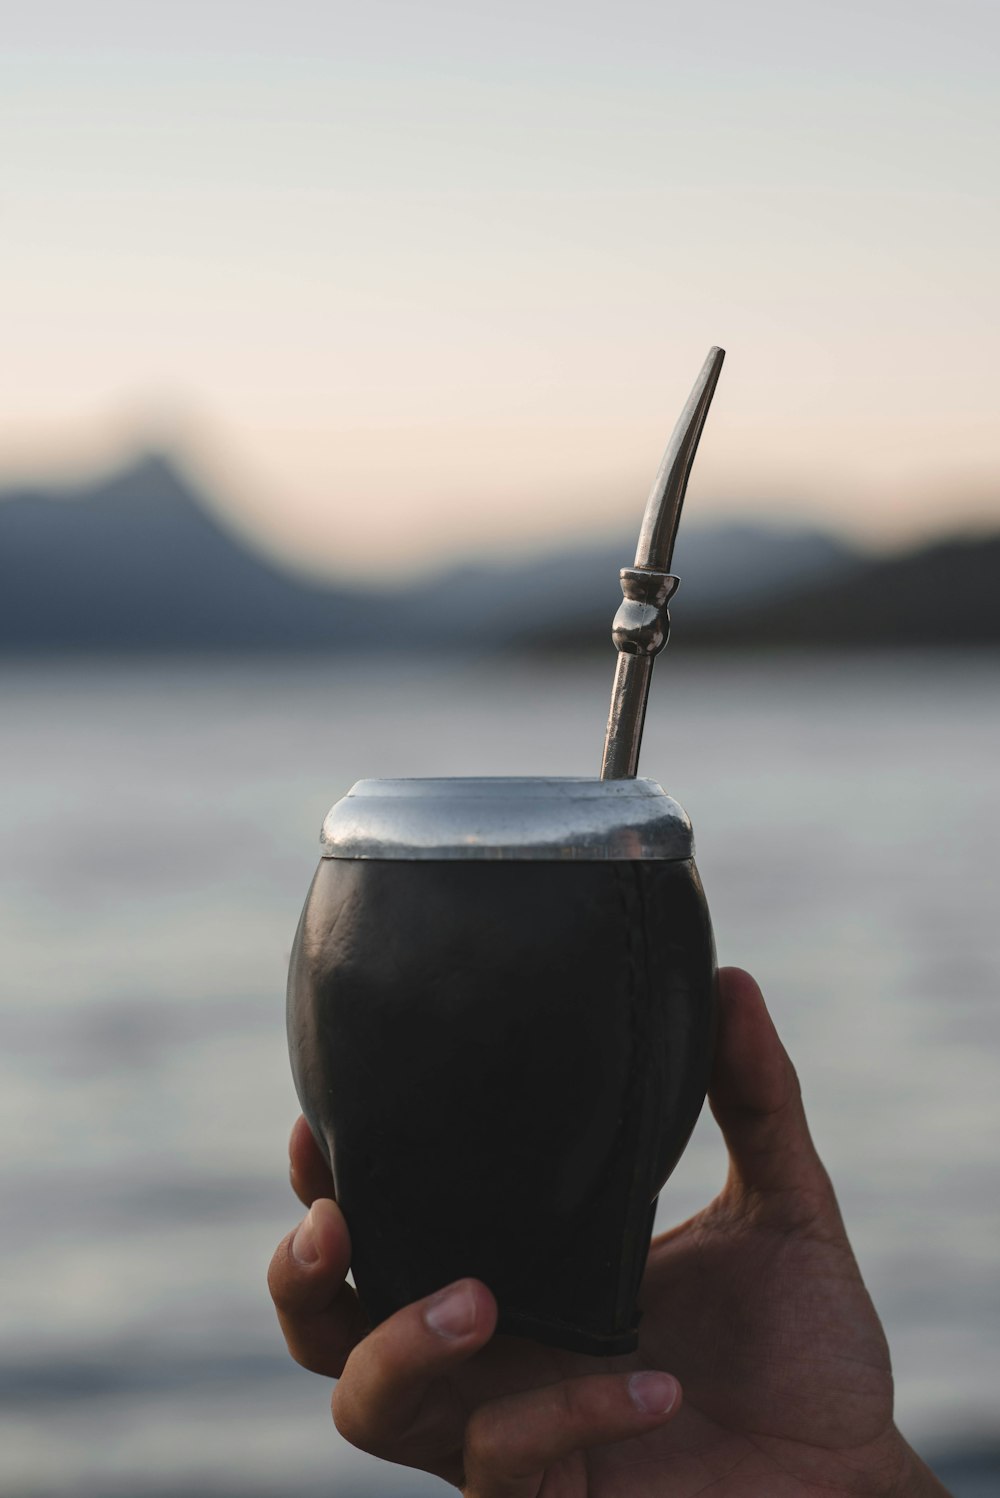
755	1095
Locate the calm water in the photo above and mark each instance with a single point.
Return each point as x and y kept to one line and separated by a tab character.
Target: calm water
159	831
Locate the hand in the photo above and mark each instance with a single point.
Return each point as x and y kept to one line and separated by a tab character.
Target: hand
756	1307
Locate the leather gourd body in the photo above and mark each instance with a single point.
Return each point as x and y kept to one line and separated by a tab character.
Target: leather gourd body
503	1061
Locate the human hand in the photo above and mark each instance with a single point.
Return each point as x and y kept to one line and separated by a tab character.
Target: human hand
755	1307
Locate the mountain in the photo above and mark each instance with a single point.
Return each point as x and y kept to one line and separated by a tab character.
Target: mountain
568	600
753	585
138	562
944	594
947	593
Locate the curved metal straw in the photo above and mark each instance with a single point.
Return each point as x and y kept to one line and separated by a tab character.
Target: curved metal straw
642	624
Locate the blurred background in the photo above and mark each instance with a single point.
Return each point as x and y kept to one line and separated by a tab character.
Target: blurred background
340	347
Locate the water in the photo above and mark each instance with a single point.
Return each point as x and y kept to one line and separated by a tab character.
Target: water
159	828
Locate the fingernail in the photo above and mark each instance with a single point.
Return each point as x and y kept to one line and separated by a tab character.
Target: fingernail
304	1246
452	1312
653	1393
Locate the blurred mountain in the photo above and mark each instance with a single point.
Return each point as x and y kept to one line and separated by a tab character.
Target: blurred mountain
943	594
568	599
139	562
947	593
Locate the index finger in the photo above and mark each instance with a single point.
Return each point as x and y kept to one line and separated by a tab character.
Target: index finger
308	1171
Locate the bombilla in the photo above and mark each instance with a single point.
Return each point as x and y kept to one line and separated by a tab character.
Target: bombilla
642	623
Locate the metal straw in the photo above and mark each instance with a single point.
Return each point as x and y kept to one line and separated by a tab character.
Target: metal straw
642	624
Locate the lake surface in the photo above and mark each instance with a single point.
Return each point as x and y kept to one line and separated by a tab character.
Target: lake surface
159	824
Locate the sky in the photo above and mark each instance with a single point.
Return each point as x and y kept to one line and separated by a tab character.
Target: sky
404	281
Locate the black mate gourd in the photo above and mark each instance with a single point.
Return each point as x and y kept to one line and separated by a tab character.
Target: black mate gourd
501	1007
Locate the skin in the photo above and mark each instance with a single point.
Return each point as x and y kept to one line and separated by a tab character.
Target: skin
762	1370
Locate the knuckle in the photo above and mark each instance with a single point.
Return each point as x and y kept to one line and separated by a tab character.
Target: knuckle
279	1282
485	1446
567	1405
352	1425
302	1354
296	1183
318	1350
497	1448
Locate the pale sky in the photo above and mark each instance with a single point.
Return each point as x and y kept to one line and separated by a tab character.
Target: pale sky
407	280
